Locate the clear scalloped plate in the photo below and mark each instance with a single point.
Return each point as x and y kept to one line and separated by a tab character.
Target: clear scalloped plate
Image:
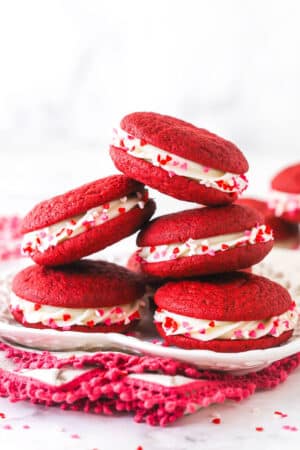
282	266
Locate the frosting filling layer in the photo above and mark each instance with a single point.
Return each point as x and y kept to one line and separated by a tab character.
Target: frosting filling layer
206	330
282	202
62	317
176	165
209	246
47	237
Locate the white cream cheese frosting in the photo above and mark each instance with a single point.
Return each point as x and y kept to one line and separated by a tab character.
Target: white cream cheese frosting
207	330
63	317
52	235
176	165
208	246
283	202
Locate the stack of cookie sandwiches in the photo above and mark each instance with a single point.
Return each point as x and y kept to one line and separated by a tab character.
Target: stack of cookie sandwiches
199	257
63	293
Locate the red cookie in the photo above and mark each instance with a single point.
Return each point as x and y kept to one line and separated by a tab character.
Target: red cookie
179	159
204	241
83	296
232	312
285	233
85	220
284	198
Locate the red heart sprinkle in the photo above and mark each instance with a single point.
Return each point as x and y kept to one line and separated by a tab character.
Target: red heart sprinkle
37	307
176	250
122	210
66	317
106	206
211	324
152	249
204	248
170	323
2	415
90	323
69	231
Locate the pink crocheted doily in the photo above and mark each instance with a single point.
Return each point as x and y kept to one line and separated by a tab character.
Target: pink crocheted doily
114	383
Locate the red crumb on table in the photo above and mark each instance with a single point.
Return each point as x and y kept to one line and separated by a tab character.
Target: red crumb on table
289	428
75	436
280	414
259	428
216	420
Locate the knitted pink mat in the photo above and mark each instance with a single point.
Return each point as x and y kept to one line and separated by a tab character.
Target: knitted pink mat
114	383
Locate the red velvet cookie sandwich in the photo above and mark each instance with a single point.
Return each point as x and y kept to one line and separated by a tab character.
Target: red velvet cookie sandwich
85	220
284	198
286	234
203	241
233	312
179	159
89	296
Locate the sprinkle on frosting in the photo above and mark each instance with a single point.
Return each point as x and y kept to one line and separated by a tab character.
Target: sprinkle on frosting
206	330
282	202
176	165
45	238
209	246
64	318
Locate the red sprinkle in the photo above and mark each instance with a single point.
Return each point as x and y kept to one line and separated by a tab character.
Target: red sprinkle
170	323
66	317
75	436
289	428
281	414
122	210
212	324
259	428
90	323
216	420
2	415
176	250
37	307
